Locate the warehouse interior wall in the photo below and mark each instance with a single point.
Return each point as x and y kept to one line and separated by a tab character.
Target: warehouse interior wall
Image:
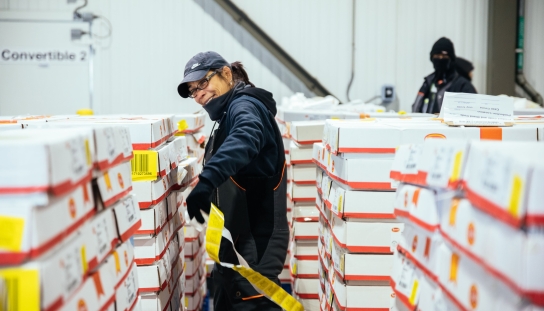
393	40
534	44
138	68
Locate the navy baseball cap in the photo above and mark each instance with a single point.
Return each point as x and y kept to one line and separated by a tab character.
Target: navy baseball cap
197	67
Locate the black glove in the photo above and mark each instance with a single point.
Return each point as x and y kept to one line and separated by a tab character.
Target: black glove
199	199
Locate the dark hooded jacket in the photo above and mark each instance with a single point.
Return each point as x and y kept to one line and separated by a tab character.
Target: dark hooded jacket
250	148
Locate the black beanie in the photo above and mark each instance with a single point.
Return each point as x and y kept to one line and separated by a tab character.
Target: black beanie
443	45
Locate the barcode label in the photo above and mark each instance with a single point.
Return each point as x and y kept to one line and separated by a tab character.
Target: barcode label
144	165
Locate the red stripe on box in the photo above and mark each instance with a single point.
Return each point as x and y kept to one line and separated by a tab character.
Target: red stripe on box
422	178
456	302
366	150
309	296
363	249
539	296
144	261
134	303
305	142
105	165
59	237
534	220
191	131
302	162
378	278
306	237
306	219
306	257
147	231
22	190
117	197
491	208
395	175
370	215
422	224
403	299
122	280
108	303
402	213
418	264
131	231
149	289
410	178
304	182
144	205
364	185
68	186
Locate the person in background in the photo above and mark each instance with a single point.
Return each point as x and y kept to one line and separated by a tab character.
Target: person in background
243	175
464	68
444	79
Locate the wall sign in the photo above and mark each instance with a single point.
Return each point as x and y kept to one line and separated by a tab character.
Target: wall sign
44	56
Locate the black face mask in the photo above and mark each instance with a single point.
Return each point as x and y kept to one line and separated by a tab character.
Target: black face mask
441	66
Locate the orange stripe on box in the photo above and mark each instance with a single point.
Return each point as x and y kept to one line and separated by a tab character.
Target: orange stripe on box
491	133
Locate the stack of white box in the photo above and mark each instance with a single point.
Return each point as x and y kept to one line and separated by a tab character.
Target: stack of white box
473	238
66	205
356	204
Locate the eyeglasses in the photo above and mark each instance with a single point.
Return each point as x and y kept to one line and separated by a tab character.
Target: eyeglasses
201	85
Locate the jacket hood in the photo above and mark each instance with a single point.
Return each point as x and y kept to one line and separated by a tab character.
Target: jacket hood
262	95
217	107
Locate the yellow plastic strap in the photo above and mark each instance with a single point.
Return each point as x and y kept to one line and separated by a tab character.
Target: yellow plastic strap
215	231
21	289
144	165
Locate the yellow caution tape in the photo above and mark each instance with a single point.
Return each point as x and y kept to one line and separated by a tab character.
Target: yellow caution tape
19	289
145	165
216	229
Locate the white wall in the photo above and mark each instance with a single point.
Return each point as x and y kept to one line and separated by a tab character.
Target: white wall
534	44
138	69
393	39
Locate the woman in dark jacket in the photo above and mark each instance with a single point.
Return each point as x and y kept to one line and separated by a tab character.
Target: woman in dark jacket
243	176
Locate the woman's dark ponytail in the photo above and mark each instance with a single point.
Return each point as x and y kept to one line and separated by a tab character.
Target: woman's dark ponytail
239	73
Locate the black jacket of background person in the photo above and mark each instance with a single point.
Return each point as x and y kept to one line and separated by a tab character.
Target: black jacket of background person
454	83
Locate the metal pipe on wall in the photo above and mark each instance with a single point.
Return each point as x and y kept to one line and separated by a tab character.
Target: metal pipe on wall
520	77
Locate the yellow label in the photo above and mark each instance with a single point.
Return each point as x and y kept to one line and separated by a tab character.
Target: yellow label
456	173
107	180
270	289
145	165
182	126
84	259
21	289
11	234
413	294
117	262
453	211
88	152
186	302
340	203
453	267
294	268
515	196
401	112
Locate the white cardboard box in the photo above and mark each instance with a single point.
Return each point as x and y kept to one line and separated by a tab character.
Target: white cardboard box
149	249
305	230
496	178
35	230
127	217
304	269
306	288
178	150
154	218
189	123
364	237
114	183
303	174
300	154
362	171
307	132
151	192
126	296
301	192
61	161
361	297
360	204
104	235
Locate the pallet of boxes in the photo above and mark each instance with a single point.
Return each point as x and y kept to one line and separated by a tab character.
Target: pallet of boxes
66	239
190	127
473	217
